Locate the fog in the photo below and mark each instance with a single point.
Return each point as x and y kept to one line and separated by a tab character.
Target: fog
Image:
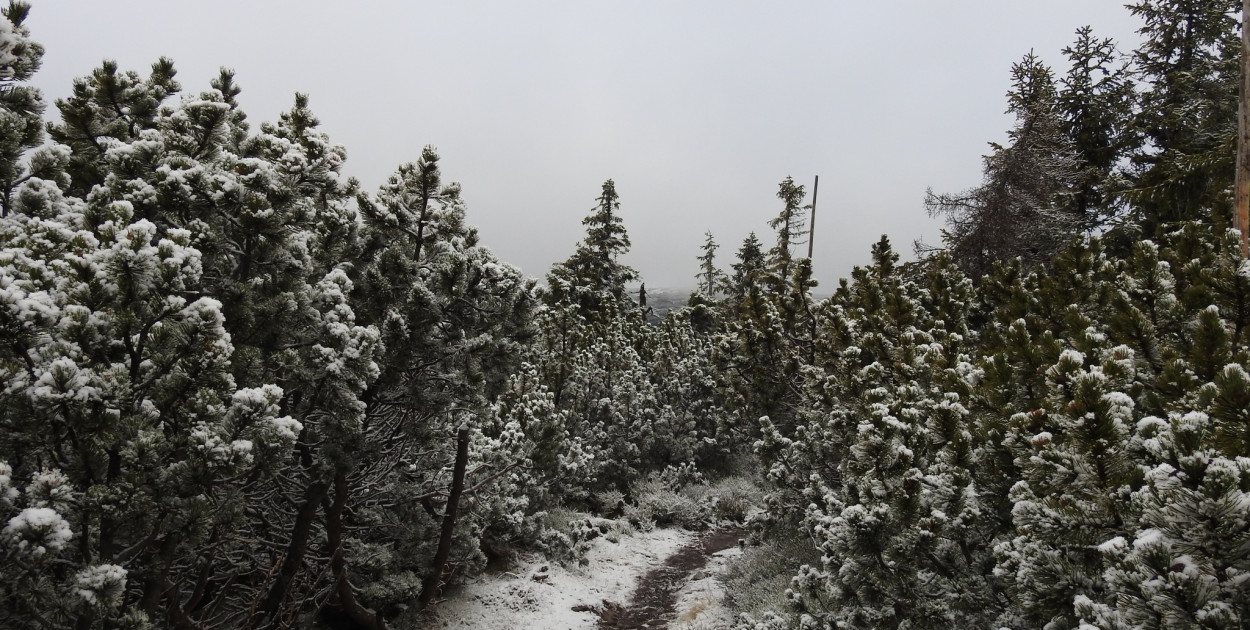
697	110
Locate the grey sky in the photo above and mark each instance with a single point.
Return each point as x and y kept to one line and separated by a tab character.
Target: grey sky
696	109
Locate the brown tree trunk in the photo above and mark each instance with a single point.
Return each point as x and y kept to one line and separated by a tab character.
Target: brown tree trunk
435	580
300	532
360	616
1242	197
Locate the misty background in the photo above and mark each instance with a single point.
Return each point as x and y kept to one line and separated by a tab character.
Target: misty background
696	109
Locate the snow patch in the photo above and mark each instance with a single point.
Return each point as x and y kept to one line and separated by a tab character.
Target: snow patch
541	594
100	584
701	603
38	530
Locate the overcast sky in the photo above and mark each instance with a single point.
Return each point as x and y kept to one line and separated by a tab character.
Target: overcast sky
696	109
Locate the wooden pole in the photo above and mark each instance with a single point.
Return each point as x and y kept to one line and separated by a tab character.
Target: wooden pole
1242	195
811	227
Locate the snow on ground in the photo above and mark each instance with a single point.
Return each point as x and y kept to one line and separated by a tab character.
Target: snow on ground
522	598
700	604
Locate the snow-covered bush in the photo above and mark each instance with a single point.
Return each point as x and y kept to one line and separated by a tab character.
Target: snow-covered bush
656	503
732	499
756	582
1011	472
222	347
101	585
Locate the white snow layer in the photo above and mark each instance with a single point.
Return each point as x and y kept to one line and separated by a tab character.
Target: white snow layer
523	598
8	40
38	530
701	603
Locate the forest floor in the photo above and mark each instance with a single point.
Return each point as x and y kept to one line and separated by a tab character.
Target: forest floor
664	578
682	592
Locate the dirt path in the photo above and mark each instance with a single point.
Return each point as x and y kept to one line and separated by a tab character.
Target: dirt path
653	603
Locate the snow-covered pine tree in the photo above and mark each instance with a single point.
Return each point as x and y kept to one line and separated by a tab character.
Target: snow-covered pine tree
21	111
593	277
690	419
1020	208
264	212
612	404
1077	475
455	323
881	469
272	222
1185	564
1182	565
104	109
142	454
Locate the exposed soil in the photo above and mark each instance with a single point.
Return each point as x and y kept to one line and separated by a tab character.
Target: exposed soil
654	603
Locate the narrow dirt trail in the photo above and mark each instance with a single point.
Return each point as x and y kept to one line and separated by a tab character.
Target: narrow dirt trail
653	603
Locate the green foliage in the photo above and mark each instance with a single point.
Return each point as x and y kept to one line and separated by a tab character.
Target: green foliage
1024	206
235	357
1096	99
1189	63
593	276
712	281
967	456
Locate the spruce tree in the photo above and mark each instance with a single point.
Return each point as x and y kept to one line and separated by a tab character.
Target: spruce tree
1189	63
711	279
748	270
593	276
789	225
1095	99
1021	207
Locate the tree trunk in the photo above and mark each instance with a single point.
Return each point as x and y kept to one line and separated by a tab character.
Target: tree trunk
434	581
359	615
300	532
1243	135
108	529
